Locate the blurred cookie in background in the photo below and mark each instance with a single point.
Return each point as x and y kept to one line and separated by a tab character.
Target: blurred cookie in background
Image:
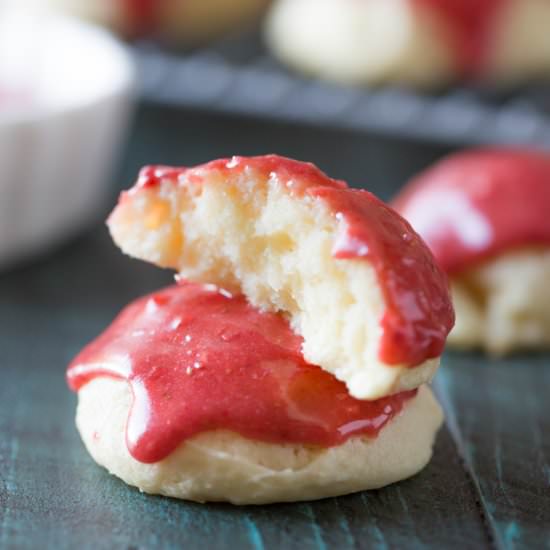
484	214
419	43
185	22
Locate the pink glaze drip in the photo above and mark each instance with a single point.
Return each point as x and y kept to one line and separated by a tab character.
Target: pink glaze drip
475	205
199	359
419	314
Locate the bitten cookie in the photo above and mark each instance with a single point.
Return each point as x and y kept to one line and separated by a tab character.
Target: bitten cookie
295	241
289	361
485	216
424	43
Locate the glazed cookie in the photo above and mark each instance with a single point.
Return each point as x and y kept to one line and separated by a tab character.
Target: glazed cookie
289	361
294	241
220	405
485	216
425	43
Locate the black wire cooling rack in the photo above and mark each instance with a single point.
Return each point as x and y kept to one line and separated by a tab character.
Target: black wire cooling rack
238	76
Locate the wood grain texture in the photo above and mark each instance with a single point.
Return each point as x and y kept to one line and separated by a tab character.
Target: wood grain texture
499	415
489	482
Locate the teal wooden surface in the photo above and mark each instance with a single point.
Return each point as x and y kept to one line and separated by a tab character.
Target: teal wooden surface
499	415
488	485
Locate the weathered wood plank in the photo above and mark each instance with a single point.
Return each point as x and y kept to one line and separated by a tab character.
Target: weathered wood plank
499	413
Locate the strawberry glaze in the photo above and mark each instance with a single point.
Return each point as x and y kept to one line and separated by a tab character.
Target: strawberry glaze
475	205
419	314
469	26
199	359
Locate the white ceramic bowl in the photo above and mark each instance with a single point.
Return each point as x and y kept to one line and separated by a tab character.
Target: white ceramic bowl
65	100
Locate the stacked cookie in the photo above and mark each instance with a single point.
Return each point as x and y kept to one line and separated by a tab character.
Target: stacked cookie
425	43
290	361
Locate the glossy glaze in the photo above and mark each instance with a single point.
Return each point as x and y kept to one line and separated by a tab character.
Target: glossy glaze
419	313
199	359
474	205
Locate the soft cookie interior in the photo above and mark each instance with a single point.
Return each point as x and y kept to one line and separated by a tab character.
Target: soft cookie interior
247	232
